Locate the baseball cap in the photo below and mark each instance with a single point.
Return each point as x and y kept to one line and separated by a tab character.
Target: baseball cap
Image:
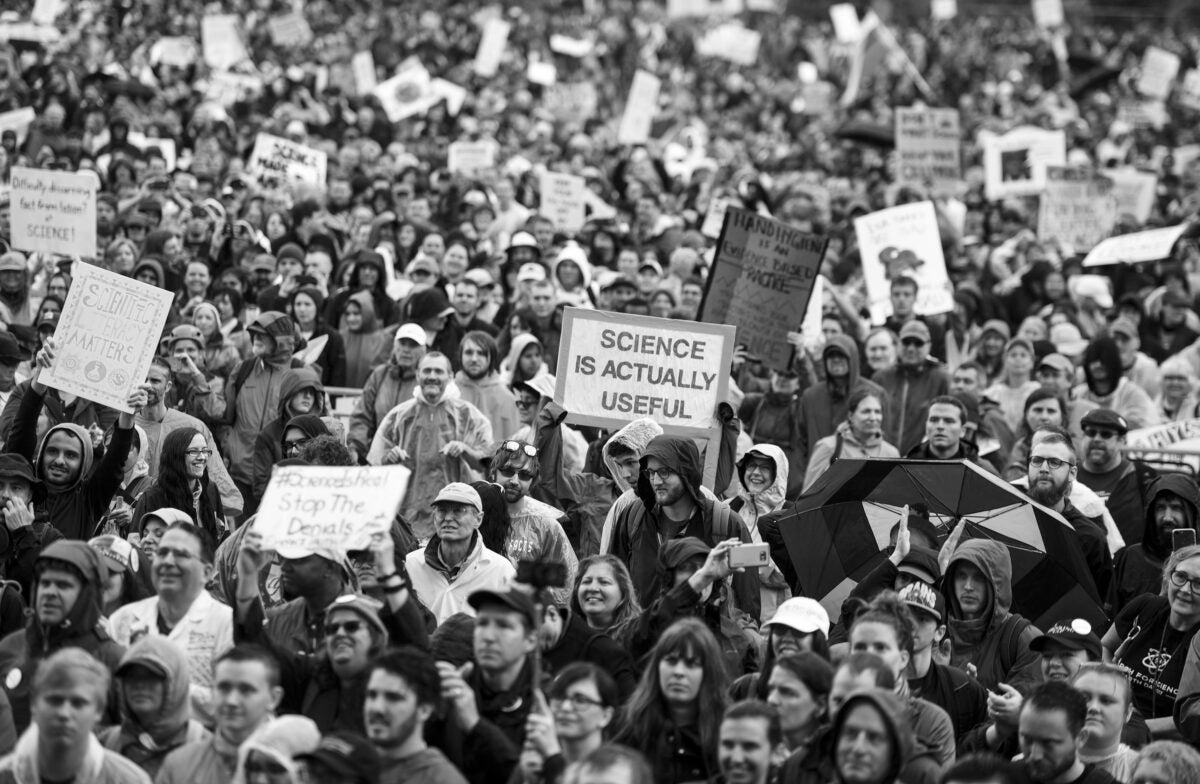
1123	326
513	599
13	261
480	277
459	493
1093	287
651	264
921	562
923	597
10	349
363	606
803	614
531	271
427	304
1024	343
1106	418
915	329
119	554
349	755
1067	338
1074	634
998	326
413	332
423	263
620	281
1058	362
295	553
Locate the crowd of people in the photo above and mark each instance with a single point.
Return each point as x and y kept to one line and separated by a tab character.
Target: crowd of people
554	602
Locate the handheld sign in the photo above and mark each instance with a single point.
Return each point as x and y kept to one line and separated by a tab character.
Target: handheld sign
1149	245
762	278
1015	164
107	336
1078	209
904	241
1159	68
562	200
640	108
314	508
54	211
471	158
928	148
221	37
279	159
491	47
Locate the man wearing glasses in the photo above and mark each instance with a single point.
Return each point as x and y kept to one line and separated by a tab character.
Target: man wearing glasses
1173	502
1104	468
182	611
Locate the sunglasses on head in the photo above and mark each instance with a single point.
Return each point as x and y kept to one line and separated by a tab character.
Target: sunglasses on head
520	446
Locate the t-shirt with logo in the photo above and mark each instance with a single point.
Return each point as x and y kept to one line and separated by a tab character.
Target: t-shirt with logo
1153	653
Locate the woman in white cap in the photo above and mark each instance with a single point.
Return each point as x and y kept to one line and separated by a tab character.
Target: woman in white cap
800	625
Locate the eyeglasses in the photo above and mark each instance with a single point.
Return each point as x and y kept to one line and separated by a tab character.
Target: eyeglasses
914	342
662	473
1095	432
508	473
264	768
1038	461
520	446
351	627
1180	579
420	274
523	404
205	453
295	444
179	555
576	701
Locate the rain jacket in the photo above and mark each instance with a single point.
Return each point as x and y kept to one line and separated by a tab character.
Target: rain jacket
22	651
76	508
100	765
362	345
911	389
519	344
534	534
1137	569
220	355
894	714
422	428
383	306
774	418
579	297
824	405
388	386
148	744
491	396
639	530
843	443
998	643
268	447
752	506
1126	398
280	739
445	591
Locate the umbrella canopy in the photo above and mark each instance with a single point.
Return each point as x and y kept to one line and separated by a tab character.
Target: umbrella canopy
841	528
870	133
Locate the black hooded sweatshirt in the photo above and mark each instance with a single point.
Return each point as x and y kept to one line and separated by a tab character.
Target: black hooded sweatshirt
1137	569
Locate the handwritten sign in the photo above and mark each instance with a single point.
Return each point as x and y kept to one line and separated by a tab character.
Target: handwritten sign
410	92
900	242
571	101
1015	164
312	508
17	121
714	220
221	39
1048	13
731	42
1149	245
762	278
1189	89
471	158
289	30
491	47
1077	209
107	336
943	10
282	160
1134	191
640	108
1174	442
571	47
1159	68
928	148
53	211
562	200
363	67
847	27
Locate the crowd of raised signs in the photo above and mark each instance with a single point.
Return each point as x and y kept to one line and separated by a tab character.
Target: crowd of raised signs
379	224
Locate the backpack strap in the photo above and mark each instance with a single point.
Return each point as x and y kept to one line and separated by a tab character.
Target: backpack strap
838	443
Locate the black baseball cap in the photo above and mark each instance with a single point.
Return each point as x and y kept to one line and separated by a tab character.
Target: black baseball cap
349	755
922	563
513	599
925	598
1075	634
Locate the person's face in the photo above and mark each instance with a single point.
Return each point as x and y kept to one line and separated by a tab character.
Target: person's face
1053	379
501	640
579	712
407	352
179	567
433	246
105	216
785	639
798	710
531	360
1047	743
667	484
1175	385
475	360
881	351
1173	315
680	677
319	265
196	456
599	593
419	210
391	711
406	236
66	714
58	287
224	308
1183	600
352	317
466	300
744	750
289	267
347	641
455	522
57	592
661	306
879	639
629	467
433	374
368	276
1127	346
303	402
144	691
261	345
628	262
244	696
204	321
541	301
864	747
903	300
260	768
62	458
294	440
1048	484
690	296
152	531
759	474
1060	663
971	589
837	365
1169	514
944	426
16	490
647	280
1019	360
965	380
927	630
1103	446
196	279
454	261
1044	413
515	479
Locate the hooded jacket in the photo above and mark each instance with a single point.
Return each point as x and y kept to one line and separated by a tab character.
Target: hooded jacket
76	508
824	405
388	386
894	713
580	296
521	342
639	529
911	389
843	443
148	743
280	739
362	345
384	308
268	447
99	765
1123	396
998	642
22	651
752	507
493	397
1137	569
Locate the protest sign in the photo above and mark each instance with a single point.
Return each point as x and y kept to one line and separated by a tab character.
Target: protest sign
847	27
107	336
1189	90
1142	112
491	47
640	108
175	51
329	508
576	101
899	242
53	211
363	67
1159	68
17	121
1077	209
45	11
1048	13
731	42
762	277
571	47
562	200
221	38
451	93
1149	245
289	30
408	93
943	10
471	158
28	31
1175	442
283	160
681	9
715	218
1133	191
1015	164
928	148
227	88
541	72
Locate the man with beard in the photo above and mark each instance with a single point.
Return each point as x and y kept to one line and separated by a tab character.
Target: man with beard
1121	482
309	581
16	306
1107	387
106	219
404	691
388	386
480	383
1051	472
1173	502
748	735
1051	733
438	436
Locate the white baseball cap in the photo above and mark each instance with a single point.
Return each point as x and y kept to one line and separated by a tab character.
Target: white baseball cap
802	614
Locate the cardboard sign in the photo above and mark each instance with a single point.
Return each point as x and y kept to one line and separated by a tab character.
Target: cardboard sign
328	508
714	220
541	72
18	121
640	108
53	211
562	200
1133	191
472	158
107	336
898	242
1015	164
289	30
1048	13
46	11
943	10
1174	442
928	148
570	47
614	368
221	38
1151	245
571	102
1159	69
282	160
847	27
410	92
761	280
1189	90
175	51
363	66
731	42
491	47
1077	209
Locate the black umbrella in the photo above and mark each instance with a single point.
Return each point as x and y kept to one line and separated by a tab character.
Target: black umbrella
841	527
873	134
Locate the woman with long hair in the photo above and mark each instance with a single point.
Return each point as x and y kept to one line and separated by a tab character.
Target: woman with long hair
1043	408
183	483
220	355
674	715
121	256
583	699
604	595
306	306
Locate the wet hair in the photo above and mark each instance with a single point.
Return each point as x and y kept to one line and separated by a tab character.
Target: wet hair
858	663
1037	396
950	400
416	667
1055	696
1111	671
858	396
486	342
888	609
815	672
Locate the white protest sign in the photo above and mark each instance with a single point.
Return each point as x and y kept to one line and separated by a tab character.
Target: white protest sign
1143	112
46	11
53	211
363	66
899	242
329	508
451	93
18	121
407	93
1151	245
1134	191
107	335
283	160
1189	89
289	30
943	10
1048	13
221	38
562	200
1015	164
175	51
731	42
1175	442
1077	209
846	24
28	31
227	88
541	72
640	108
810	328
1159	68
928	148
571	47
715	218
680	9
571	101
491	47
472	158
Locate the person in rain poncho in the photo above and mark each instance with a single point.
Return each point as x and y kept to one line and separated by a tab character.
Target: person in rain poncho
763	475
